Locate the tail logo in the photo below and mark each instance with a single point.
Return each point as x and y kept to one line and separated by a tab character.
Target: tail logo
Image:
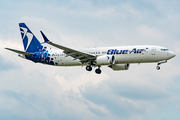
27	40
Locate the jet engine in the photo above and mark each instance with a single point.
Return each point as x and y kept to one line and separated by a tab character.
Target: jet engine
119	66
105	60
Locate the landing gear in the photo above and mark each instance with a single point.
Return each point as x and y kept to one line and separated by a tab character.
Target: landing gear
159	63
88	68
98	70
158	68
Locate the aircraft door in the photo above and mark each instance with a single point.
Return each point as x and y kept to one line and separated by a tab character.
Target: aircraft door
153	52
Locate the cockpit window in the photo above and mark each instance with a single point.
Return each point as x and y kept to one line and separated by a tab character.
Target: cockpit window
164	50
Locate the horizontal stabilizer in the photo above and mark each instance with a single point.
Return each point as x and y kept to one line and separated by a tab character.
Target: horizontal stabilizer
20	52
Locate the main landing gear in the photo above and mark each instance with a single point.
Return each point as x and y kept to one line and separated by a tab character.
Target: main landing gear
88	68
159	63
98	70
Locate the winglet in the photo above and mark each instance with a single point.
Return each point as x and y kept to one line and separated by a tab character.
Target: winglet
44	37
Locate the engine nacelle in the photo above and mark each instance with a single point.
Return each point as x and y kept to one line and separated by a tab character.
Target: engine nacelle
105	60
120	66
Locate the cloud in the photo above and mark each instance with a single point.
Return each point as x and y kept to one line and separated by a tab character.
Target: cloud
140	92
6	65
150	33
79	83
177	107
117	105
37	97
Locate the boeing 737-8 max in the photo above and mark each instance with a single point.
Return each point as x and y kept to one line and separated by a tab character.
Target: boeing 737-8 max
117	58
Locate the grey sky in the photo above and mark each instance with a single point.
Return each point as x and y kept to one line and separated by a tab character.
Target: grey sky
36	91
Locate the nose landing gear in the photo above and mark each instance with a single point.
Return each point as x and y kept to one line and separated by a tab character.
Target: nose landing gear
159	63
158	68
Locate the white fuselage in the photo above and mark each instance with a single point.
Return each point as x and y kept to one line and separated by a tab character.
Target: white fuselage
122	54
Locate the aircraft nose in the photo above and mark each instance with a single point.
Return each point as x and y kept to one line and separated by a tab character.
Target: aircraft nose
172	54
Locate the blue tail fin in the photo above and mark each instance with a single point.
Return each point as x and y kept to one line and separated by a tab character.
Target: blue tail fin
30	42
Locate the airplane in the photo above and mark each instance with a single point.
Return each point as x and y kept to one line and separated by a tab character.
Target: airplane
117	57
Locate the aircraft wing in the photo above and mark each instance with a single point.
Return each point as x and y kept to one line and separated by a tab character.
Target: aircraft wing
83	57
20	52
